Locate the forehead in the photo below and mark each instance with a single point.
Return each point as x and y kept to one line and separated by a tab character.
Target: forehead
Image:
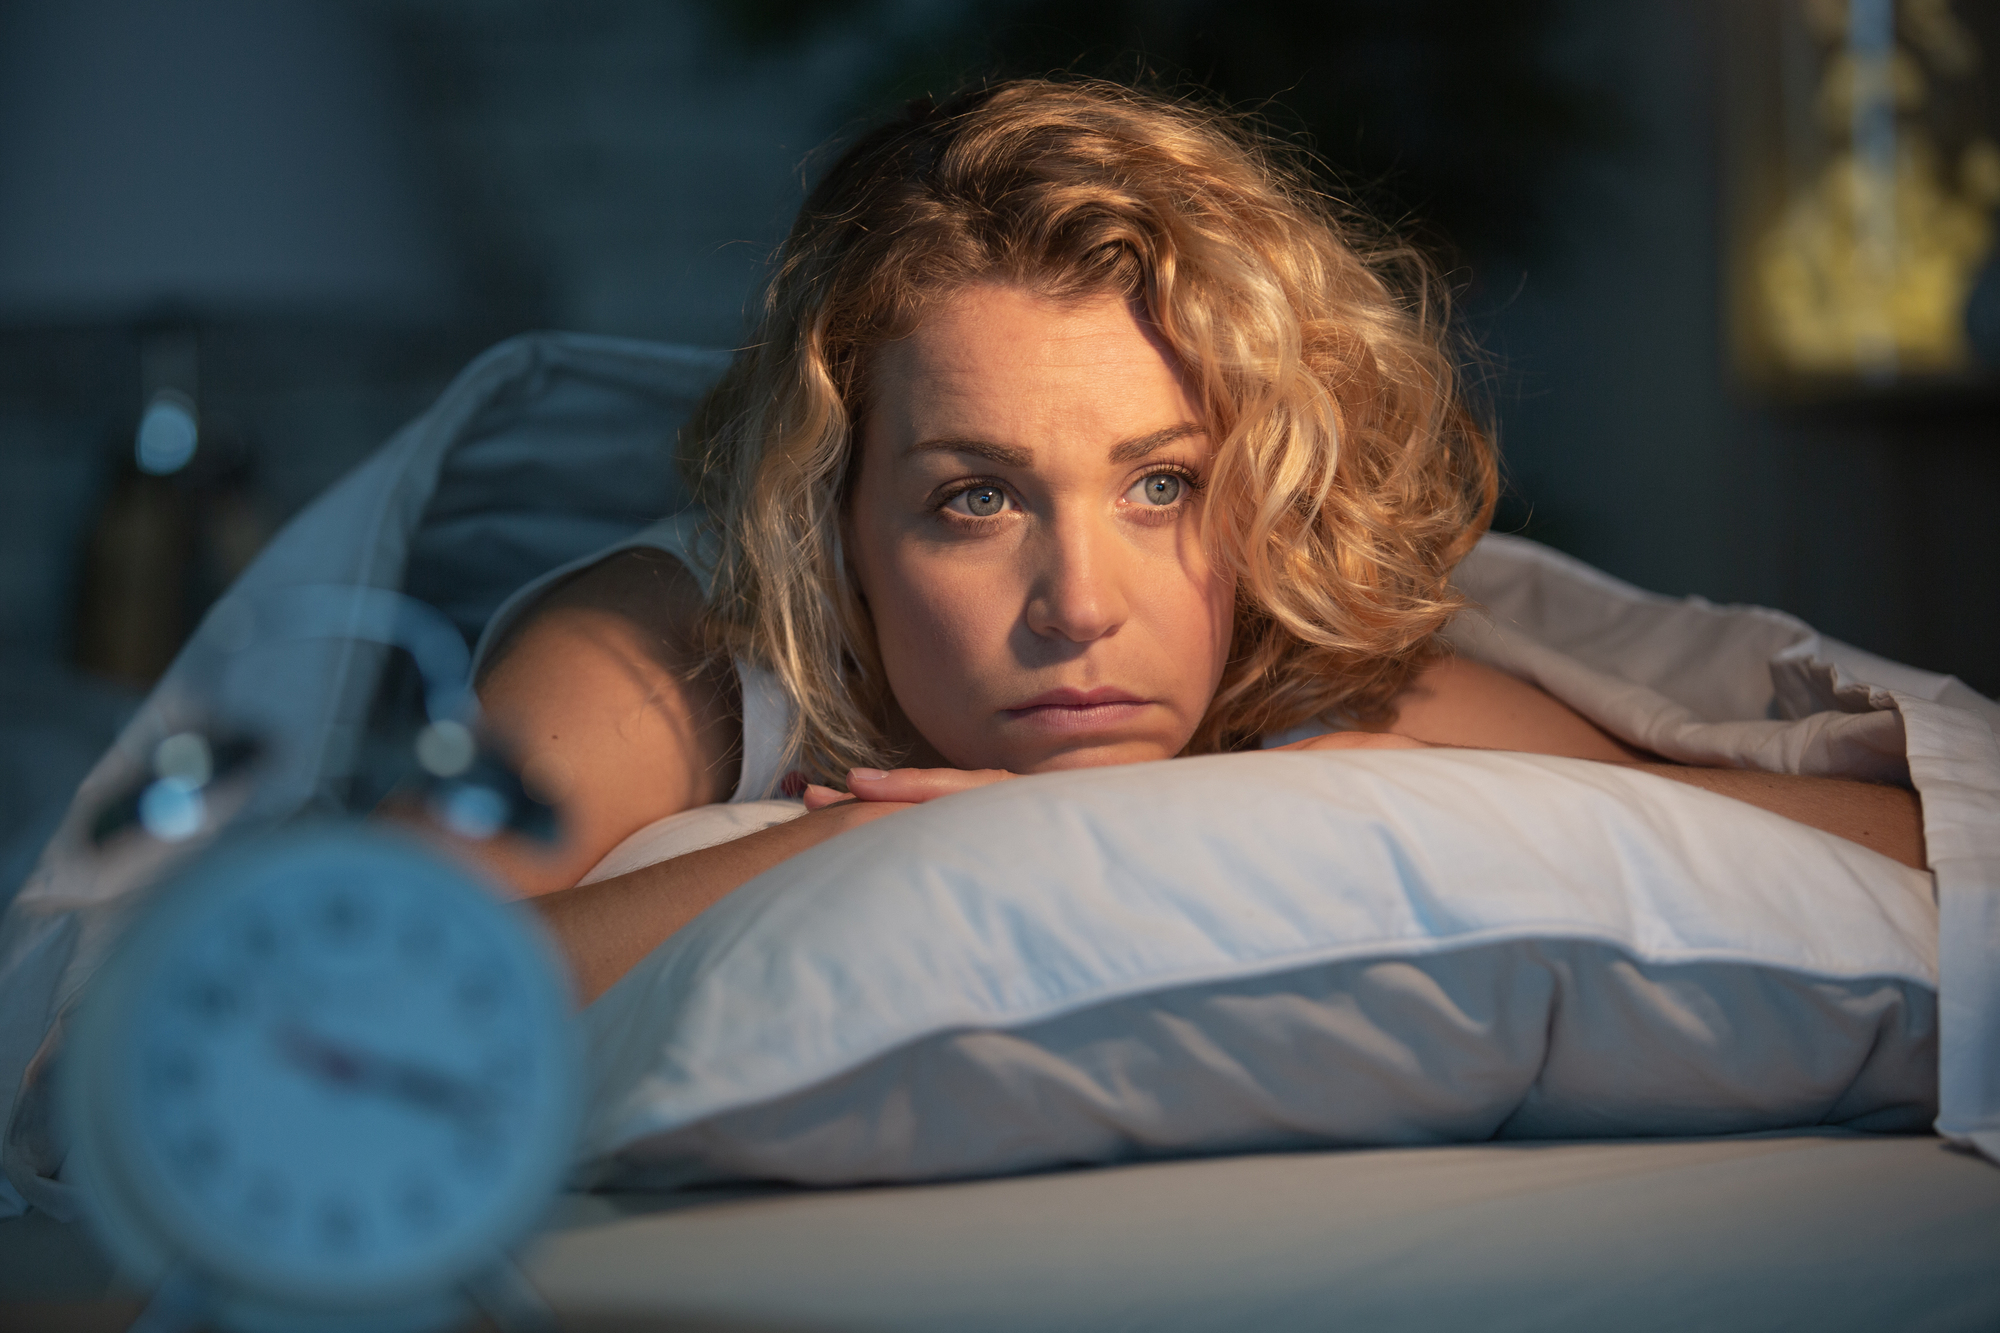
1000	358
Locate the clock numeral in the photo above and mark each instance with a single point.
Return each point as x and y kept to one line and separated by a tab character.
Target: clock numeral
478	993
176	1074
421	938
212	1001
419	1204
199	1155
344	918
258	938
478	1148
267	1202
338	1223
507	1068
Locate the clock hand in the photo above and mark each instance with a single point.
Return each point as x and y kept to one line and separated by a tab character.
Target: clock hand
359	1070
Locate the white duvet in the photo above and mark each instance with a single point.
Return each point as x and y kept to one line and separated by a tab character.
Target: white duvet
1746	687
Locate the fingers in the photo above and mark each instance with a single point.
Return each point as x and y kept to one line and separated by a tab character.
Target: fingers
904	785
851	814
818	797
918	784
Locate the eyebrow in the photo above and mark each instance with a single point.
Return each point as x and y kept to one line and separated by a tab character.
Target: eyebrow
1131	451
1007	455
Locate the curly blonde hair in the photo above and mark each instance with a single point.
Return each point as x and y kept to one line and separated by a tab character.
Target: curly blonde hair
1349	477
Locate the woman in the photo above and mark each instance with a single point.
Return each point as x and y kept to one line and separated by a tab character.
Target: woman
1077	431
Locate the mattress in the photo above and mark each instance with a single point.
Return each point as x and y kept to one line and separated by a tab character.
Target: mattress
1816	1230
1824	1230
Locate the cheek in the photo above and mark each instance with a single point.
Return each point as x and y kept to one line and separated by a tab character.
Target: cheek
934	618
927	615
1205	604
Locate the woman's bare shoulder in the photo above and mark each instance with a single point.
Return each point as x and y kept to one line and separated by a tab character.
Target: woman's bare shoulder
646	588
1459	702
603	692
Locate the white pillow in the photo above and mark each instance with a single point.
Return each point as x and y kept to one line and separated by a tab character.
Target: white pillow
690	831
1270	950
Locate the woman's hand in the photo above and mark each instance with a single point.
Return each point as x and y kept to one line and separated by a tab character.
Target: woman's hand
913	786
905	785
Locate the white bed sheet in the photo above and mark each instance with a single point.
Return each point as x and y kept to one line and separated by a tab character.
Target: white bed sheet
1823	1230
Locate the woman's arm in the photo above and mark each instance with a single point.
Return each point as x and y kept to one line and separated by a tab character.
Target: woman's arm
602	695
1464	704
1889	820
1461	703
605	928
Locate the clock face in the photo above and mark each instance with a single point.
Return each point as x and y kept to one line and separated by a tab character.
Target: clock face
336	1068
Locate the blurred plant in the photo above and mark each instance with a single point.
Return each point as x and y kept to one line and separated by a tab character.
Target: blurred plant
1442	117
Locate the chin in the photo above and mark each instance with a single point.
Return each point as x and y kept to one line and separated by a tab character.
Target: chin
1095	755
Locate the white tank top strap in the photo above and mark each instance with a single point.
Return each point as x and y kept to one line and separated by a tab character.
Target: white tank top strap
767	711
676	536
767	726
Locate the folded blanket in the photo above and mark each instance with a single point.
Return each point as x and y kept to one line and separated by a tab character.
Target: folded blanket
1746	687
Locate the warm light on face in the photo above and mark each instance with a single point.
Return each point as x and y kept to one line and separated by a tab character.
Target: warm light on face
1025	528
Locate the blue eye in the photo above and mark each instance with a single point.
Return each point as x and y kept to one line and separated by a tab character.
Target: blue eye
982	501
1162	488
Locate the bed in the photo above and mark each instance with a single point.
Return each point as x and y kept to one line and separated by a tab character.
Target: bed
1756	1232
552	446
1822	1230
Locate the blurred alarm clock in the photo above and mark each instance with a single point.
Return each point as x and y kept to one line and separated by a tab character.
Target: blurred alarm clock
325	1082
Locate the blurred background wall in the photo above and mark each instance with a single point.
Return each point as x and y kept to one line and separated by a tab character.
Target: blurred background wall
273	229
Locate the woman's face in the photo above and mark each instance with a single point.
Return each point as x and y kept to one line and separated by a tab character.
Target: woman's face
1025	527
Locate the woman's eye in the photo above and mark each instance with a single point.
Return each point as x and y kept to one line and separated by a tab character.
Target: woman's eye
1162	488
980	501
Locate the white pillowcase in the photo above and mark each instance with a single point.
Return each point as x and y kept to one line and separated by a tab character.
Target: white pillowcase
690	831
1268	950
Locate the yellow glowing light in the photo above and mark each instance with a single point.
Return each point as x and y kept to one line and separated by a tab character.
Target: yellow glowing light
1867	268
1839	302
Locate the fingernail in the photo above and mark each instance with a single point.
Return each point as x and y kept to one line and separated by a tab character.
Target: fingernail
865	775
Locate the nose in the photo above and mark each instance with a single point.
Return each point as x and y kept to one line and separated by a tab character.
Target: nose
1077	591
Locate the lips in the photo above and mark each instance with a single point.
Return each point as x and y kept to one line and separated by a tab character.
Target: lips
1076	713
1074	698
